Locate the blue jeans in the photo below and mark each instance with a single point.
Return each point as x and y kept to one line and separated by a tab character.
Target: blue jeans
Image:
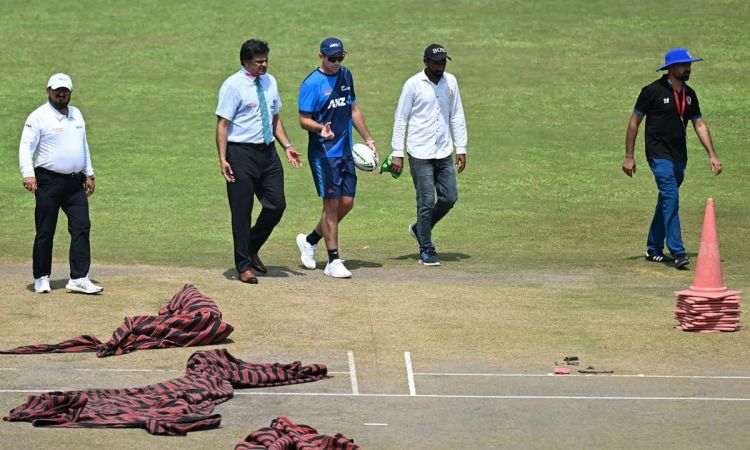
431	176
665	226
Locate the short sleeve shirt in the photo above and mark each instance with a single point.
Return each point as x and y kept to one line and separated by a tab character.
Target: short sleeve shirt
54	141
239	104
329	98
665	129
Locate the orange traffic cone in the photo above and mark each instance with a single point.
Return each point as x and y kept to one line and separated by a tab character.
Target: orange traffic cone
709	279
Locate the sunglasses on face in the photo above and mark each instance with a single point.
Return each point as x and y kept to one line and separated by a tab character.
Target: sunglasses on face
333	59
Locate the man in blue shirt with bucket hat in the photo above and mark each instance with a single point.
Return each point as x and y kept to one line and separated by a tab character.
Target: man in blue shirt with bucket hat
668	104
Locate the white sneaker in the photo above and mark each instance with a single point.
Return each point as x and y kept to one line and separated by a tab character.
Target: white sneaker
41	285
83	285
336	269
307	251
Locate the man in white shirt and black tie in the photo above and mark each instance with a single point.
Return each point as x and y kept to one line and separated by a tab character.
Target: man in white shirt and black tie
56	167
429	122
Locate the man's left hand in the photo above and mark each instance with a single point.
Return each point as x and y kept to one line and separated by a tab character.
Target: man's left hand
461	162
715	165
293	156
371	144
89	186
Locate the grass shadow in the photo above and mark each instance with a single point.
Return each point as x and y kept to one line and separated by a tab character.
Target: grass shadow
55	284
669	262
273	272
352	264
447	256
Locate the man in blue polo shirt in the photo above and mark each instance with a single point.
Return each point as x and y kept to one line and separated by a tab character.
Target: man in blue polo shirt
668	104
327	110
247	121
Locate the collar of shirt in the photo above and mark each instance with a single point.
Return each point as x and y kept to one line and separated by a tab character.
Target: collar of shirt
58	115
424	77
251	76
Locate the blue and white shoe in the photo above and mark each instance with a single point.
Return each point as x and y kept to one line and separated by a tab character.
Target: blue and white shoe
428	257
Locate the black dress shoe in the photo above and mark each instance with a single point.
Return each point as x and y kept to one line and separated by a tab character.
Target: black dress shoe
248	277
257	264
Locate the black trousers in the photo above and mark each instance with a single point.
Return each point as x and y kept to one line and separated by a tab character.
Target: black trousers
55	191
257	173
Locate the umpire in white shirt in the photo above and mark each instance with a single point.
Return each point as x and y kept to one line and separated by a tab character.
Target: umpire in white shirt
56	167
429	122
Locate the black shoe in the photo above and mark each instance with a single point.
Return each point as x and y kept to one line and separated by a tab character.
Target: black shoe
681	262
257	264
657	257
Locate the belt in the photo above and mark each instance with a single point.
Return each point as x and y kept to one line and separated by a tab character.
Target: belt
58	174
249	145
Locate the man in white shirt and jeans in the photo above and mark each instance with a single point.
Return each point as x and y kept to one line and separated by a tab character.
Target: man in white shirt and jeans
56	167
429	121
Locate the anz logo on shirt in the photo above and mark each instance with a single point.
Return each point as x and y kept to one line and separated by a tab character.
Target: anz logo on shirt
340	101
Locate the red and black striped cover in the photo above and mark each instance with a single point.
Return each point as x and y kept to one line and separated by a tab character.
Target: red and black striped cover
173	407
284	434
188	319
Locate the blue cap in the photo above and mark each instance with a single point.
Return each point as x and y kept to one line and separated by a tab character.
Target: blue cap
331	46
677	56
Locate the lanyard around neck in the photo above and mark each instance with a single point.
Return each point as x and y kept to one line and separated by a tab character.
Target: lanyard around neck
680	106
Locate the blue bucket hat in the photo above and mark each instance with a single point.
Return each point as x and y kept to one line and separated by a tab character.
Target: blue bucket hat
677	56
330	46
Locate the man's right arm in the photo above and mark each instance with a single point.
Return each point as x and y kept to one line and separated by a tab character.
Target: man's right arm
308	123
29	140
222	127
400	125
628	165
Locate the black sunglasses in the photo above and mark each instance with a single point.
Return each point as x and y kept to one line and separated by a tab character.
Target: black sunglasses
335	58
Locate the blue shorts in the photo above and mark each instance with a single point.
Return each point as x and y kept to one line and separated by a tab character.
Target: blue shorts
334	177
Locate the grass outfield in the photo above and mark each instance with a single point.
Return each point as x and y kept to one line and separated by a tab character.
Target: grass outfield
547	89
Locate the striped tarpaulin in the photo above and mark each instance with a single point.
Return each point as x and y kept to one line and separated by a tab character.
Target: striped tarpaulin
283	434
188	319
173	407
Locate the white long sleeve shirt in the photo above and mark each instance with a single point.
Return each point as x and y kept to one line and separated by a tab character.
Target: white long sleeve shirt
55	142
429	118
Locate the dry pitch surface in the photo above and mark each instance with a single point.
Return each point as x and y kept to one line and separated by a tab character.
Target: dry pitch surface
420	358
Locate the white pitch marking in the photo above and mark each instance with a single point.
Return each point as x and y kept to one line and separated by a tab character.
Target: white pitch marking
432	374
353	372
125	370
80	369
504	397
531	375
498	397
410	374
376	424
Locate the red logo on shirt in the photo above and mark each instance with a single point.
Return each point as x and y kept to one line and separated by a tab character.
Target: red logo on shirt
58	130
327	92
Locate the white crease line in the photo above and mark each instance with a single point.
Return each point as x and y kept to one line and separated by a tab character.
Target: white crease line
124	370
497	397
353	372
376	424
424	374
530	375
410	374
80	369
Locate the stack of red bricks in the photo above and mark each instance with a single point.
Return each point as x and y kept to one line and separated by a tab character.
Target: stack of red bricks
708	315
